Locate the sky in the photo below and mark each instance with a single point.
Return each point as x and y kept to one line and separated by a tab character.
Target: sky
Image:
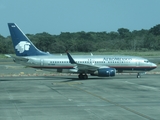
56	16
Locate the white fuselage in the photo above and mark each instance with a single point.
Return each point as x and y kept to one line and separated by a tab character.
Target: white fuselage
59	63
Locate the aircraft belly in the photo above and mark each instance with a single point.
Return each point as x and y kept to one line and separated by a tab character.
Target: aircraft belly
56	70
132	69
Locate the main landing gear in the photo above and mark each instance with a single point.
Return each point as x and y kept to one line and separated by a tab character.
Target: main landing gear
82	76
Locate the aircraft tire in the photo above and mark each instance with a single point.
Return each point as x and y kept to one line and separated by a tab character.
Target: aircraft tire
138	75
85	76
81	76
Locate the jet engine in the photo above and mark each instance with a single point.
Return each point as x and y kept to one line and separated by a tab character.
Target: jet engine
105	72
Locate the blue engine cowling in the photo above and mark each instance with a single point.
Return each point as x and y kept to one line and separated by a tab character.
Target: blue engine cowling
105	72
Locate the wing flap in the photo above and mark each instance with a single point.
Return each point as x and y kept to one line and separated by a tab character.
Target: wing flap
83	67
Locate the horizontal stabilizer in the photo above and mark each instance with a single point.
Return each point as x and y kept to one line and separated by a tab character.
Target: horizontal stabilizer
17	58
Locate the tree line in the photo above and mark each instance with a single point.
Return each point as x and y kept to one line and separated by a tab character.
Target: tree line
122	39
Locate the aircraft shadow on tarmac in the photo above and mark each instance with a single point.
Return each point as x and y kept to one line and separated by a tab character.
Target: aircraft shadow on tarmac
71	79
66	78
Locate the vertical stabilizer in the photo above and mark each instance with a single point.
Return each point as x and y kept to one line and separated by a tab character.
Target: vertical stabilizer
21	43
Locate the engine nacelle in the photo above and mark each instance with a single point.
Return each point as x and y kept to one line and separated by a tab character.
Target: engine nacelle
105	72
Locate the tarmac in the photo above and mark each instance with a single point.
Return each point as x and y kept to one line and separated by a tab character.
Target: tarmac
29	94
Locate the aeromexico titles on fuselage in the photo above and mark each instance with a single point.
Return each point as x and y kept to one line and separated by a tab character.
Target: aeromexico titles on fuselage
95	65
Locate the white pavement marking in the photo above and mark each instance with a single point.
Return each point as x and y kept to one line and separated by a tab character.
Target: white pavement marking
143	86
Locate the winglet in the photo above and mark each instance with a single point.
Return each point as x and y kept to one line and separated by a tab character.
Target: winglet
71	60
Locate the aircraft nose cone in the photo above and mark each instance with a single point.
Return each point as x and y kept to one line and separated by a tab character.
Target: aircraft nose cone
154	65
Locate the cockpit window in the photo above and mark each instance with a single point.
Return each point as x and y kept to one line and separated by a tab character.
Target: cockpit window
146	61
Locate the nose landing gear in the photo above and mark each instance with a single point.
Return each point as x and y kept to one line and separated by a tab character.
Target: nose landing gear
138	75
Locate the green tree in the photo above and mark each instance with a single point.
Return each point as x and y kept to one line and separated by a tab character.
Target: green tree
123	32
155	30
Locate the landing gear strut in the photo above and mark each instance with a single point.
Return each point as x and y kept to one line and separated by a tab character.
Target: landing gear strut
82	76
138	75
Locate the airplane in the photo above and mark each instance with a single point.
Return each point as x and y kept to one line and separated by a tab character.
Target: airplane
96	65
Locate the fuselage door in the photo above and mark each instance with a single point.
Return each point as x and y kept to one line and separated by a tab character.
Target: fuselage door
42	62
138	63
93	62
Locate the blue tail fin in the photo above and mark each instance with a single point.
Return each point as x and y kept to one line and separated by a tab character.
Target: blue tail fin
22	45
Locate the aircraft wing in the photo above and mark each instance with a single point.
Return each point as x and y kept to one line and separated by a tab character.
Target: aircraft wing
83	67
86	67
